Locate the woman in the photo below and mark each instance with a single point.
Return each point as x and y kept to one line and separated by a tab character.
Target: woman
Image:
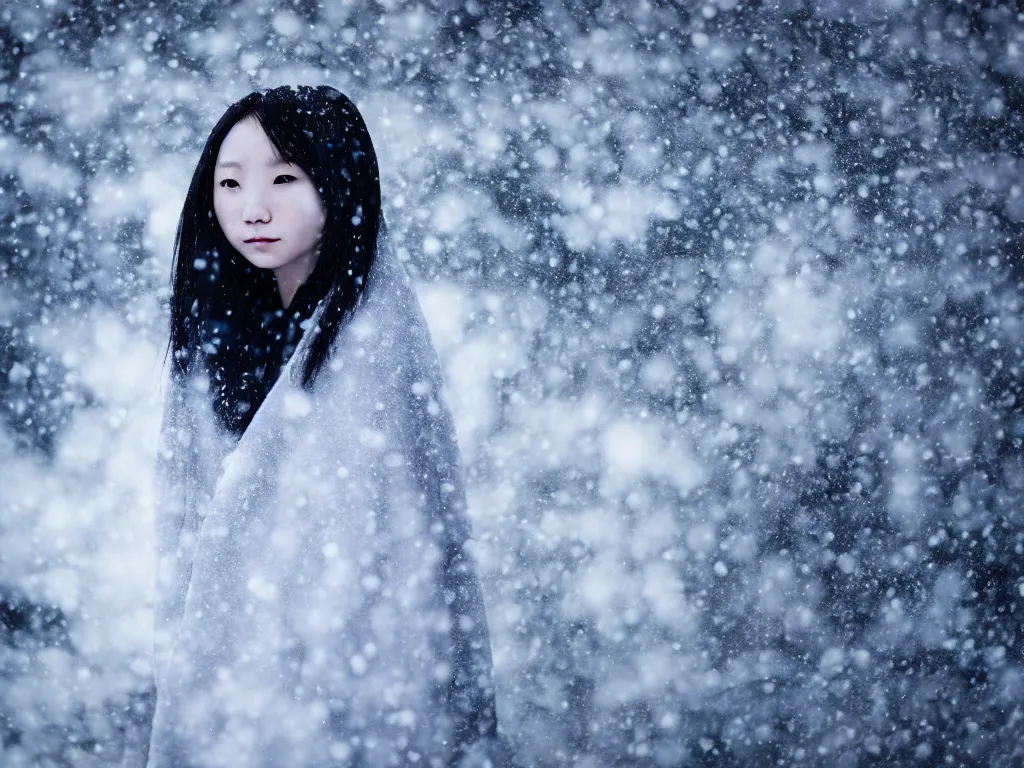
315	605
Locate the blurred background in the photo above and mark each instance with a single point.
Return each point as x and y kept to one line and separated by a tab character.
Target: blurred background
729	300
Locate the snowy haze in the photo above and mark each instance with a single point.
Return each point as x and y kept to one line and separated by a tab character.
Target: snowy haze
729	301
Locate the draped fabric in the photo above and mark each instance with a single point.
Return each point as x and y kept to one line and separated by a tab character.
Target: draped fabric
315	602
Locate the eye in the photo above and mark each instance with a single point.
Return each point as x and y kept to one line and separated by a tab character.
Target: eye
229	183
284	178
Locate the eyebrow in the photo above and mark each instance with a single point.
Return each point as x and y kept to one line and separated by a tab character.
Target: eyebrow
233	164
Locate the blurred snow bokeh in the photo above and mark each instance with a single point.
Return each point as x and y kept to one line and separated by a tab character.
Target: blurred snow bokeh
729	298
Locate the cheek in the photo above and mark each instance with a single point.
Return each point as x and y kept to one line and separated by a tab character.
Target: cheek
316	216
220	212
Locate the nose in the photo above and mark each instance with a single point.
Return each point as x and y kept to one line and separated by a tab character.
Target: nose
254	209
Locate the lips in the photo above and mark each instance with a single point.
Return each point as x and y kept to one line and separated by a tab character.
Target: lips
262	239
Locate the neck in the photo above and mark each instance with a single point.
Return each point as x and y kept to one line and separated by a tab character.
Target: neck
291	276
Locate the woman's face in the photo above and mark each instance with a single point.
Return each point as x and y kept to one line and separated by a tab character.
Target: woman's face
267	208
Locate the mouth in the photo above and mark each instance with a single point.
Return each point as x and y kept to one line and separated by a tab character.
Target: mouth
262	239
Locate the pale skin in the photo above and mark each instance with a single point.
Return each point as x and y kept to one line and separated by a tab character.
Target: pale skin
267	208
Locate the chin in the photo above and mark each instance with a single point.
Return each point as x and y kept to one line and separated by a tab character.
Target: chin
258	263
261	260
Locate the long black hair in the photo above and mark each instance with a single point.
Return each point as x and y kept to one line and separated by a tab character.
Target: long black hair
219	300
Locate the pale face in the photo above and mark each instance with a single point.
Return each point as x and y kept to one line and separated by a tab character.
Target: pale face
267	208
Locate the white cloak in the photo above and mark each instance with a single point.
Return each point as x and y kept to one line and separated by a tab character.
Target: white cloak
315	605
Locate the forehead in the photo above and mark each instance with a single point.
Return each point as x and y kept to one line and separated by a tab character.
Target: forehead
247	144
